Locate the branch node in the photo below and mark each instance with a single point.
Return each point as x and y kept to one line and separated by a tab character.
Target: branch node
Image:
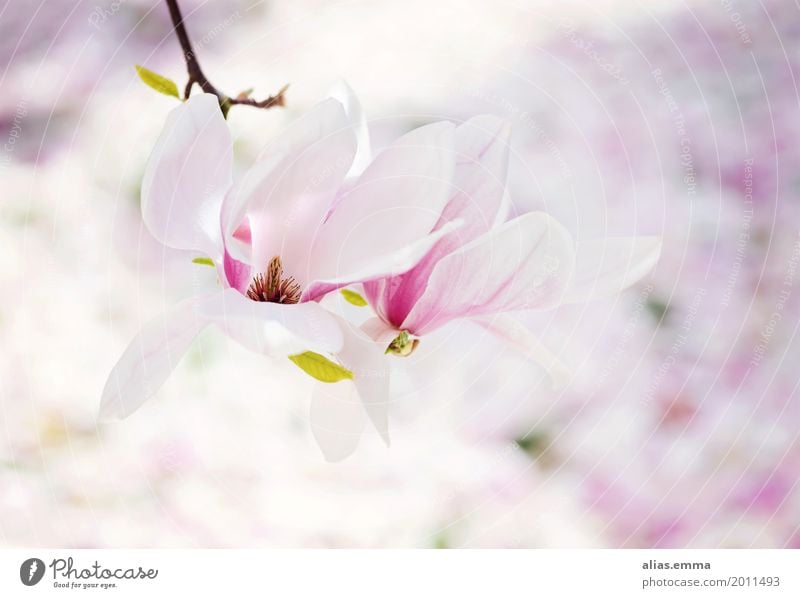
196	74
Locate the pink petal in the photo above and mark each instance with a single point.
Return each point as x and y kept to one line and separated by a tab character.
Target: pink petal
187	175
243	233
525	263
237	274
480	177
273	328
381	266
607	266
396	202
150	358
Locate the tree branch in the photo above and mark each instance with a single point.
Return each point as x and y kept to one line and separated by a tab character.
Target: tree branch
197	76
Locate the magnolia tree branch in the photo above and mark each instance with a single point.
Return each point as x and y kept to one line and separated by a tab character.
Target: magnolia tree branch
197	76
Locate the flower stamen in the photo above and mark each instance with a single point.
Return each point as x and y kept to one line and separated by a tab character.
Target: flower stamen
403	345
272	287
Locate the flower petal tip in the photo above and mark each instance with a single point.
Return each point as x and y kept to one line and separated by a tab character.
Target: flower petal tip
110	410
334	457
333	452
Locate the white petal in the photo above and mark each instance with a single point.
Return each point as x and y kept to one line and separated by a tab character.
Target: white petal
334	418
367	359
187	176
382	266
518	336
607	266
396	202
272	328
358	121
150	358
379	331
482	144
287	195
337	419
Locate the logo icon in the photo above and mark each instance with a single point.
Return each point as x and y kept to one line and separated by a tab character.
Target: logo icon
31	572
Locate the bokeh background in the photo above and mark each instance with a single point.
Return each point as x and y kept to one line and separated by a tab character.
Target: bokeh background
680	427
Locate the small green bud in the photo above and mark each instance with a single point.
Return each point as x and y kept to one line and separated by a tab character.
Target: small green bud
403	345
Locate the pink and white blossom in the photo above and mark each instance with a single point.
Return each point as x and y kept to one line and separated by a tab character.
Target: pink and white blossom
483	270
298	225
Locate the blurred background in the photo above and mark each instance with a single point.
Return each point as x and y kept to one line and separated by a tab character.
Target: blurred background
680	427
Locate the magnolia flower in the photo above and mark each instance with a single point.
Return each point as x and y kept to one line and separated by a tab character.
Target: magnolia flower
481	271
291	231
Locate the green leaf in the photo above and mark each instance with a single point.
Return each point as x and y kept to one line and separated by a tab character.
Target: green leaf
225	106
203	261
157	82
320	367
353	297
440	542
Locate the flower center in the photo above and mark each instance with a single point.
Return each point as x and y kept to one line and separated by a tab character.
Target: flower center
273	287
402	345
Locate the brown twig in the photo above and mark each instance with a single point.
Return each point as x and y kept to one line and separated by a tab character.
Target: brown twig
197	76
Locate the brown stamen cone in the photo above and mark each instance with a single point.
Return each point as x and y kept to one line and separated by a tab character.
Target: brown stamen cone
272	287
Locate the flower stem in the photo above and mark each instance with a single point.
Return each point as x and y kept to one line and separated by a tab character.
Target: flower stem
197	76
